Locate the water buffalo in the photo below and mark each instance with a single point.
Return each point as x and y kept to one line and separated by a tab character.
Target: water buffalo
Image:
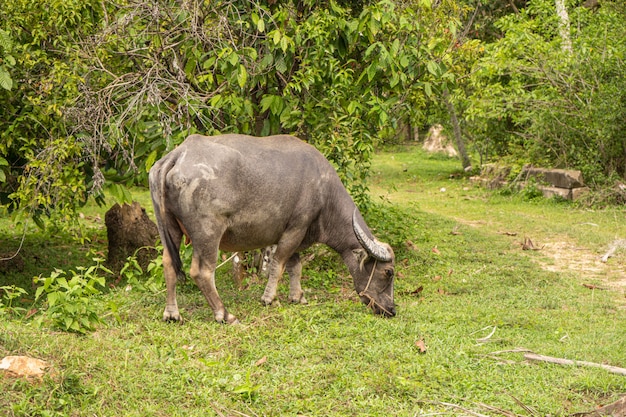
236	192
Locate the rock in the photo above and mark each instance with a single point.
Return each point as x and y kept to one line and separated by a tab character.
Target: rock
562	178
550	192
130	231
437	142
578	193
23	367
492	176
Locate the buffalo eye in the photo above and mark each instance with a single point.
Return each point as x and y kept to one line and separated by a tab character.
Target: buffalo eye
389	273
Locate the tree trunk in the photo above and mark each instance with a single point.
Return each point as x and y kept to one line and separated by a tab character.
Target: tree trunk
561	11
458	137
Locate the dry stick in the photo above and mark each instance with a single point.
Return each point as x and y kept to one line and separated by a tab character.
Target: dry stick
458	407
617	409
561	361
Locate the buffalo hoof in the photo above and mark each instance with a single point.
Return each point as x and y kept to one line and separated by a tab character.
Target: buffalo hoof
267	301
298	300
172	315
226	318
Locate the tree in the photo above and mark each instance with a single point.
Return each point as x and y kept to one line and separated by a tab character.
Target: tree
112	86
40	159
534	102
564	30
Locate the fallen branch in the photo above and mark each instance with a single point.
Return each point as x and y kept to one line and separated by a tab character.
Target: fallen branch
458	407
617	409
617	244
560	361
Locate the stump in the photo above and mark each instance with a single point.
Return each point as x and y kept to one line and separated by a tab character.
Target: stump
11	262
130	232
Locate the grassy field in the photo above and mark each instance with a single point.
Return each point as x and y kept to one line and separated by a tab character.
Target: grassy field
469	298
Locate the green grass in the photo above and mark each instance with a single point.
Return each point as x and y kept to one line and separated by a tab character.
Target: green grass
332	357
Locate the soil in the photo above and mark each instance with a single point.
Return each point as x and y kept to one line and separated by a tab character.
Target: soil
566	256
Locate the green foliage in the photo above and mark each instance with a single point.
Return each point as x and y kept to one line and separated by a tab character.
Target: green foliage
10	295
149	280
541	104
7	61
113	87
43	165
70	303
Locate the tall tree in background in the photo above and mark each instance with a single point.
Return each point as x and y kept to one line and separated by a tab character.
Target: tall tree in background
564	30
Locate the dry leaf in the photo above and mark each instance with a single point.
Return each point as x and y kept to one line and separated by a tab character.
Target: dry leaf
442	291
411	246
529	245
421	345
450	272
437	278
31	312
418	290
435	250
261	361
593	287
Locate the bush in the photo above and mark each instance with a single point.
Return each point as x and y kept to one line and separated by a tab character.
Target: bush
542	105
71	302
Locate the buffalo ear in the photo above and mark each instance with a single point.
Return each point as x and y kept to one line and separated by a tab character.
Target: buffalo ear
361	256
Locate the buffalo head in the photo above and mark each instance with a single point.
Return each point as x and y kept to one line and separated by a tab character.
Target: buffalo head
373	276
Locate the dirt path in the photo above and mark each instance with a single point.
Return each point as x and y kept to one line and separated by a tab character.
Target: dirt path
567	256
562	254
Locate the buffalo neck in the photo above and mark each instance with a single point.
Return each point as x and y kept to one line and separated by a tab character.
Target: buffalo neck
335	224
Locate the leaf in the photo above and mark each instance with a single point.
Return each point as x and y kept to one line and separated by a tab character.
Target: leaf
417	291
150	160
261	361
428	89
276	37
433	68
435	251
5	40
5	80
426	3
404	61
421	345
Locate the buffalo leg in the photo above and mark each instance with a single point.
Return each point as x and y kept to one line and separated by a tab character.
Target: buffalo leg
171	312
284	251
294	269
203	273
276	270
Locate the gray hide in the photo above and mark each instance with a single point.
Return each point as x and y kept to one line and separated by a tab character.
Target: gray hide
237	193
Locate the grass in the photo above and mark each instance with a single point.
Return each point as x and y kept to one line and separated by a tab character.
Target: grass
332	357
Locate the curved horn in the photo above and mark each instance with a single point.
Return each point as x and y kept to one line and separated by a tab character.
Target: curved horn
372	246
